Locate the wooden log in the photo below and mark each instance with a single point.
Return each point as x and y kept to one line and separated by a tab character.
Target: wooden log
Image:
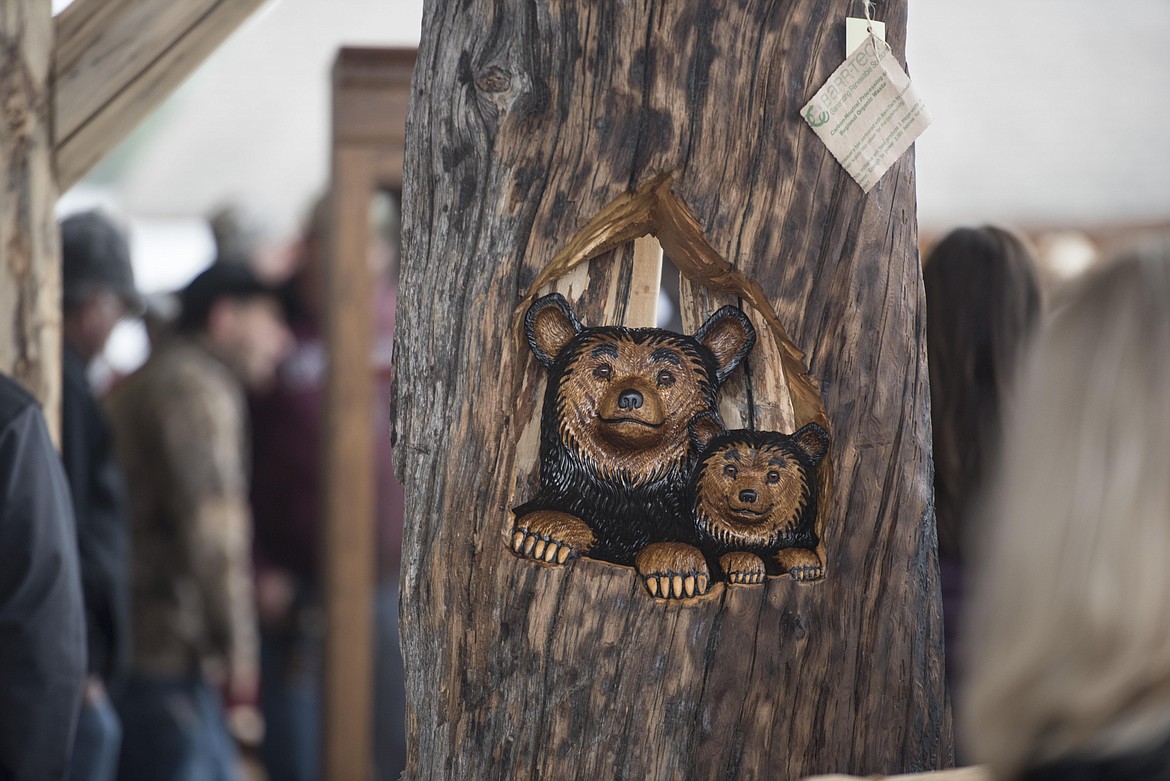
117	60
529	124
30	268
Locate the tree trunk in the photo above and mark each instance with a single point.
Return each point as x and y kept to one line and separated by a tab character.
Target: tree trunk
30	269
527	121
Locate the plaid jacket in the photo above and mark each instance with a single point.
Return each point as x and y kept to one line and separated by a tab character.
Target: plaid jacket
180	433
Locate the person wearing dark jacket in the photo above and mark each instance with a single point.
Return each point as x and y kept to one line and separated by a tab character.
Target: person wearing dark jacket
42	641
98	292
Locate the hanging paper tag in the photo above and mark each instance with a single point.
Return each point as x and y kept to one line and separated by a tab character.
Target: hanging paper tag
857	31
868	113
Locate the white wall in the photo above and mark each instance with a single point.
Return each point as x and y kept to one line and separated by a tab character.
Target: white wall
1046	112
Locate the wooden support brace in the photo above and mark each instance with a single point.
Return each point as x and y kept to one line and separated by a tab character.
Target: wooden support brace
117	60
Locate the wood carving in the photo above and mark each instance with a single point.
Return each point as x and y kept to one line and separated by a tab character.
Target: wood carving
754	500
615	449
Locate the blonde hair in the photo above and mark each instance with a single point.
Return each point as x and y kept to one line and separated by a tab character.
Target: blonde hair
1069	637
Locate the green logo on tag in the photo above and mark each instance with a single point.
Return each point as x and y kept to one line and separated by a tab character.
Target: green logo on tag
814	119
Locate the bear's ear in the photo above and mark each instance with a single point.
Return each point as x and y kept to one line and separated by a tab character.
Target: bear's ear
730	336
704	427
550	325
813	441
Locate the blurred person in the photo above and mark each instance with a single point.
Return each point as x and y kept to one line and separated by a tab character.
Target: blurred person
983	304
1070	620
180	425
42	621
98	287
288	442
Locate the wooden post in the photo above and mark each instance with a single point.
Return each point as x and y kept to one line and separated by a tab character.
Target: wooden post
526	121
30	269
370	88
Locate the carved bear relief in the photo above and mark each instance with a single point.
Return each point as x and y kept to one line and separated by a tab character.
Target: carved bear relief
616	449
753	500
637	468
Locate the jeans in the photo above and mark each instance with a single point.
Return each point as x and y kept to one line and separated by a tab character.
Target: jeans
99	736
174	729
290	699
291	668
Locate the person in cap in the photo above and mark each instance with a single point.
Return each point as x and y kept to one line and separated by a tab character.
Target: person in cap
98	291
180	425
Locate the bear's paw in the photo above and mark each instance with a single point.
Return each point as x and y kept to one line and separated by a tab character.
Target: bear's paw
673	570
551	537
743	569
802	565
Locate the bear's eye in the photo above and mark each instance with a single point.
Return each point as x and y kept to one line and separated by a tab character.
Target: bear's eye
773	476
730	471
603	371
665	379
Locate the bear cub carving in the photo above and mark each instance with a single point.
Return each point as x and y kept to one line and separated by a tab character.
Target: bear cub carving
753	499
615	444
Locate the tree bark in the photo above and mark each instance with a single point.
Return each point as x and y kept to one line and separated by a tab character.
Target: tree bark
527	120
30	269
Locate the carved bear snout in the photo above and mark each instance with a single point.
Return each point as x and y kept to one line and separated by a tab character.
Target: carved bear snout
630	399
748	497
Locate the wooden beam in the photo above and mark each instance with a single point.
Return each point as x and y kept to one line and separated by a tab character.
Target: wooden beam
370	92
349	474
645	283
30	269
117	60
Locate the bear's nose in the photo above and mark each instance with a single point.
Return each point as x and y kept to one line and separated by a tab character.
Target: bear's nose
630	399
747	497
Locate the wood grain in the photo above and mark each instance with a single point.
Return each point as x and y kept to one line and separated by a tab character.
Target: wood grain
527	120
117	60
30	265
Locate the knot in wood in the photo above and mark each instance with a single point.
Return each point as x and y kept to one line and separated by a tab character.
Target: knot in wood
493	79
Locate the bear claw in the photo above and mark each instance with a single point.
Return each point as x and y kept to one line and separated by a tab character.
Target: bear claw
672	570
802	565
743	569
550	537
675	586
805	574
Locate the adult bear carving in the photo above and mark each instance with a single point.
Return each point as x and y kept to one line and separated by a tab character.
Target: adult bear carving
615	449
